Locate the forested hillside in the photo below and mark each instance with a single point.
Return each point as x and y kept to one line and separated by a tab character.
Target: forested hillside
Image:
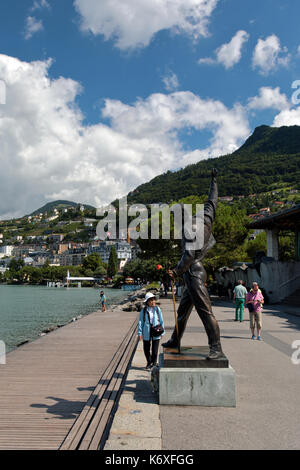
270	156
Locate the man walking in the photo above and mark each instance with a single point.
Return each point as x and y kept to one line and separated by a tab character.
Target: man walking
239	296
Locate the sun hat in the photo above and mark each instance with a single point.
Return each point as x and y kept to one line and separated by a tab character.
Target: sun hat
148	296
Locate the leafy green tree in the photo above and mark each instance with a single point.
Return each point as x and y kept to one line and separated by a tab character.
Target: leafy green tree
100	271
89	273
15	265
258	244
92	262
286	246
112	268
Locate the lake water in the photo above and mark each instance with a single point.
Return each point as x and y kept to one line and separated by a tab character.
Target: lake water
25	311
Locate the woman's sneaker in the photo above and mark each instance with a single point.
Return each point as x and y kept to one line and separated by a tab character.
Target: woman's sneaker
259	338
253	337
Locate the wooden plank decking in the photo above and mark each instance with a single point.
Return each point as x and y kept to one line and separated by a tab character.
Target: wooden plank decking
45	385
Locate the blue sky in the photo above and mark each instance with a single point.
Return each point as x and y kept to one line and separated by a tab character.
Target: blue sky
103	96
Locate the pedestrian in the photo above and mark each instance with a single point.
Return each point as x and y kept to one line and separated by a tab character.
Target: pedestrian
255	301
239	297
150	316
103	301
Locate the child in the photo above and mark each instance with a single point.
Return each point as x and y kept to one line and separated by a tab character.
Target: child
103	301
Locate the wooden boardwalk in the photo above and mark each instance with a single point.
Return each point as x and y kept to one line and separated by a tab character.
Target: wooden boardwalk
46	384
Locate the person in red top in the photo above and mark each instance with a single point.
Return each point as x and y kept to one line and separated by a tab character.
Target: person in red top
255	301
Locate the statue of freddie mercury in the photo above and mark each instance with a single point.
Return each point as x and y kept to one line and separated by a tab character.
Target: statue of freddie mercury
195	292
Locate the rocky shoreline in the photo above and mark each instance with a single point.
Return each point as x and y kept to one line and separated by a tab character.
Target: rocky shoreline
135	301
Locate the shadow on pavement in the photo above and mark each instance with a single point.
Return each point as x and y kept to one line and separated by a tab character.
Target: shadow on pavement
62	409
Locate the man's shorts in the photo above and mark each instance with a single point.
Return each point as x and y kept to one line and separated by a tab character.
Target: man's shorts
256	318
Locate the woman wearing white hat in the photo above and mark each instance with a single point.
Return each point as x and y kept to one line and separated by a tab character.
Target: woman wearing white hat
150	318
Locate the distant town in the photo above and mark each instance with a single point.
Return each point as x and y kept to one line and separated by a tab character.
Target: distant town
61	237
65	234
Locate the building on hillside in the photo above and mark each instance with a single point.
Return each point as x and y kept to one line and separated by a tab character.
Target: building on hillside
22	251
56	237
226	198
265	211
17	238
6	250
50	219
123	249
62	247
73	257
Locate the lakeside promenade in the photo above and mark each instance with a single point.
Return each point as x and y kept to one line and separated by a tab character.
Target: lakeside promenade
46	384
267	414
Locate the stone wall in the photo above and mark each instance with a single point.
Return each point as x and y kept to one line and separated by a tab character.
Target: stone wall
277	278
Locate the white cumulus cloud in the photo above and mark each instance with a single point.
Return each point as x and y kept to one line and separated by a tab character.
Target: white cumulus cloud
47	153
133	23
287	117
231	53
269	55
228	54
269	98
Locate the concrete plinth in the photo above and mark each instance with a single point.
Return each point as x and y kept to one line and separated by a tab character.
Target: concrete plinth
197	386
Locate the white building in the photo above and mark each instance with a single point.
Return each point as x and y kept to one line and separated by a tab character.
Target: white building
17	238
54	217
6	250
123	249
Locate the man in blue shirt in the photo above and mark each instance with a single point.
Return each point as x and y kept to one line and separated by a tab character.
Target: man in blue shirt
239	296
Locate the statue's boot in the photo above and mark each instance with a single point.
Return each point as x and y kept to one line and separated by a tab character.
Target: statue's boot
172	343
215	351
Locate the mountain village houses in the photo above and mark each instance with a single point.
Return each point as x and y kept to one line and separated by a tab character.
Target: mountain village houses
52	248
57	253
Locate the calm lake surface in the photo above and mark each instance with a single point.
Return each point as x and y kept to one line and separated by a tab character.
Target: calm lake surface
25	311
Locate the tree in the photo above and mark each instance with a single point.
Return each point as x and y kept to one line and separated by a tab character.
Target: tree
100	271
15	265
112	263
258	244
92	262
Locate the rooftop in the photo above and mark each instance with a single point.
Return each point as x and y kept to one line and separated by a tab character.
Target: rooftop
288	219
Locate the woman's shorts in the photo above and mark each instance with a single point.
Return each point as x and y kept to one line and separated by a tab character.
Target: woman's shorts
256	318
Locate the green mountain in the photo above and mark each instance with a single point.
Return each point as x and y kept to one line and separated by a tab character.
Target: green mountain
268	157
50	206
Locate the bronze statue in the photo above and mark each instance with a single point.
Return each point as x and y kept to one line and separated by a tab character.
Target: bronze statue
195	292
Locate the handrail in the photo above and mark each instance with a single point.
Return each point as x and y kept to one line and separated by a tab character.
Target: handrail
290	280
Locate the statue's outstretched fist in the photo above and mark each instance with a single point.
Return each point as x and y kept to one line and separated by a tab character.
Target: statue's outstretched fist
214	173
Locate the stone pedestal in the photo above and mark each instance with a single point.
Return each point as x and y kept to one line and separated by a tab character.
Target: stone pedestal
190	379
